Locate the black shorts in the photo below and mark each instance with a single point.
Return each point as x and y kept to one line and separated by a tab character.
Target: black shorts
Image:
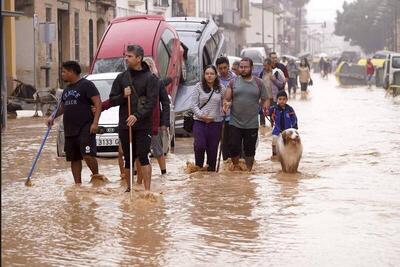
78	146
304	86
141	141
246	136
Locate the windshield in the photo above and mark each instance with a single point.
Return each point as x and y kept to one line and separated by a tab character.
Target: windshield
104	65
254	55
192	63
396	62
379	56
104	87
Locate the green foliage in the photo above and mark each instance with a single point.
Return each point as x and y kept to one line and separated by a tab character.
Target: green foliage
362	23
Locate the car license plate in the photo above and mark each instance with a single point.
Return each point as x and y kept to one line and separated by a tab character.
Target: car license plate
107	142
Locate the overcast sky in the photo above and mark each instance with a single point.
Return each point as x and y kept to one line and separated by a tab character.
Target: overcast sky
322	10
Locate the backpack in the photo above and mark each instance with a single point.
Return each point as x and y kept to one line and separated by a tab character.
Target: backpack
258	82
276	74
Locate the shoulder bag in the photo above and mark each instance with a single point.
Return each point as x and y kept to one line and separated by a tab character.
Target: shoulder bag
188	117
141	99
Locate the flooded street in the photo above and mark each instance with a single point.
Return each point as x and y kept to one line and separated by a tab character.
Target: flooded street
342	209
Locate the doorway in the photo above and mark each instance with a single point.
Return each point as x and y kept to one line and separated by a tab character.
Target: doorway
63	40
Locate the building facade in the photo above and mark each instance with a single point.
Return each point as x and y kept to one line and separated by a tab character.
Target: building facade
51	32
266	25
138	7
231	16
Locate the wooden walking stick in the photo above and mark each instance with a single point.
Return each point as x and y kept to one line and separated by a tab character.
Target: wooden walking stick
130	150
221	143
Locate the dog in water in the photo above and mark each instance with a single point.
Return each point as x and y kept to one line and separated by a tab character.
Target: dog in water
289	150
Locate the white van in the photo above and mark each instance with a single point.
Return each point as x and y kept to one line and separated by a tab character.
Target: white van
391	72
258	55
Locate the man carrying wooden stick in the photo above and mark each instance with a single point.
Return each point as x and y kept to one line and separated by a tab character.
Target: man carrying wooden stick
141	86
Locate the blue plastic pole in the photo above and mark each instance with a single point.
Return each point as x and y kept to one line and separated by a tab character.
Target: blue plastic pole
28	180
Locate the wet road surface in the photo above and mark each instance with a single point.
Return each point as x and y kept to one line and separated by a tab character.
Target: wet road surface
342	209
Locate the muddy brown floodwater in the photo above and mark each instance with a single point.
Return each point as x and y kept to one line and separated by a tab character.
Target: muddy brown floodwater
342	209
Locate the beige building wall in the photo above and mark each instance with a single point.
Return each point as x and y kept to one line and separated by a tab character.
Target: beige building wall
10	55
25	47
94	11
189	7
254	32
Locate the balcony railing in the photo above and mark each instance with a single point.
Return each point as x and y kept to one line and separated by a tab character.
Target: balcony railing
122	12
111	3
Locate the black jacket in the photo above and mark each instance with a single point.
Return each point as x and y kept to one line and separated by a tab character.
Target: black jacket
146	84
165	103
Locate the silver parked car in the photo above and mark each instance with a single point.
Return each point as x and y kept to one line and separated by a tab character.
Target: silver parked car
204	43
107	135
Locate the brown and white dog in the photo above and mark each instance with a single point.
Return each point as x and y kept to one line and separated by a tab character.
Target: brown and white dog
289	150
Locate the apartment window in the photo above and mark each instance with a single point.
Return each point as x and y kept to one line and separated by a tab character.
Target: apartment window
163	3
49	46
163	57
76	30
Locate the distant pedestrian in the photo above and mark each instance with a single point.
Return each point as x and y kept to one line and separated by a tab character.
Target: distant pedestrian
322	67
80	124
369	71
235	67
275	64
293	73
304	77
207	99
244	95
225	76
283	117
276	78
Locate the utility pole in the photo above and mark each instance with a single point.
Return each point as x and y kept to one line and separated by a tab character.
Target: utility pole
262	23
273	27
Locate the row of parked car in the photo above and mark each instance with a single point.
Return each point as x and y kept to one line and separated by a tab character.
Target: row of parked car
179	46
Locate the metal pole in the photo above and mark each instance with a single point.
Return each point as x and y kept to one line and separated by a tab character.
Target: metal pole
273	28
262	23
4	94
34	50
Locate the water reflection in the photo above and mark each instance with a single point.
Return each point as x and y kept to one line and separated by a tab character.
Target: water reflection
342	208
224	211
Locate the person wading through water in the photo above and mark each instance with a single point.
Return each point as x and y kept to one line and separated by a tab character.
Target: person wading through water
207	99
225	75
161	122
80	124
138	83
243	97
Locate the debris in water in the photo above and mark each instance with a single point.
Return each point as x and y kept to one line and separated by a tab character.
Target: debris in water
98	179
228	165
191	167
